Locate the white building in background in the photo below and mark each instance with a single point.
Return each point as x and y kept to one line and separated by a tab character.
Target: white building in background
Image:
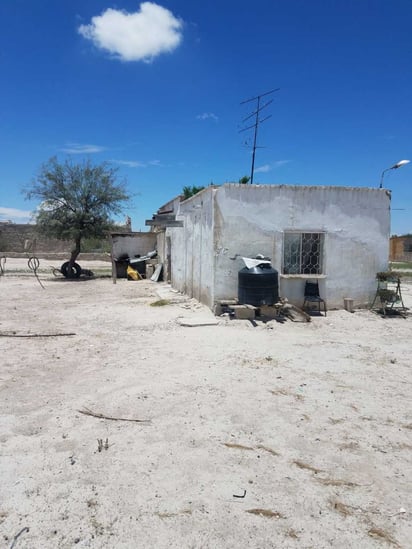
337	235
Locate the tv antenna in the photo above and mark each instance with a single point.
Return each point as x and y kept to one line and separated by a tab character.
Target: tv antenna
258	120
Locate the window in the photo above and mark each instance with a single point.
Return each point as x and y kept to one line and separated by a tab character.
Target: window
407	246
303	253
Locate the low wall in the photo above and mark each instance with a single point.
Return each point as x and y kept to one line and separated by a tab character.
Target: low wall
57	256
22	238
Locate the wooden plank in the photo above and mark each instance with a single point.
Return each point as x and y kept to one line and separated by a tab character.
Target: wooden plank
156	274
164	217
114	270
160	223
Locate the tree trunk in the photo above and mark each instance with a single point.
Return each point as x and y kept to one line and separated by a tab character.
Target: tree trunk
74	254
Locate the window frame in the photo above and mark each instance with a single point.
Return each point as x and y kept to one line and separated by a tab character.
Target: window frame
407	246
321	259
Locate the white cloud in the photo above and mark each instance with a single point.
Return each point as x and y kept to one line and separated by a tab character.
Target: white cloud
130	163
280	163
15	215
137	163
137	36
207	115
269	167
263	169
77	148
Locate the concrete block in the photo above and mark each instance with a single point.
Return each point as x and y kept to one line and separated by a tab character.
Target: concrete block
217	309
243	312
348	304
225	305
149	270
207	320
228	301
268	311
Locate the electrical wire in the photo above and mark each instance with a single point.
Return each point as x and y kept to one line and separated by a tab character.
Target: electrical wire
34	264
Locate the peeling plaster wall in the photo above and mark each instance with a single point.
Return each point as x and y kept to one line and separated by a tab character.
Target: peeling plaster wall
164	237
178	255
161	250
251	219
192	260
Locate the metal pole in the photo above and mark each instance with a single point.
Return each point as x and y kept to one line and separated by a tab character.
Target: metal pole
254	141
258	121
383	173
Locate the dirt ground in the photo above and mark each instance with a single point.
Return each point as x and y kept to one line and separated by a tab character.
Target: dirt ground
283	435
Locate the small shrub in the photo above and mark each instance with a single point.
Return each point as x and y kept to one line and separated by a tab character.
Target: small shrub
160	303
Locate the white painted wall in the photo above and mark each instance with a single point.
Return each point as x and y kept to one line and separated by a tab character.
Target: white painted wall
223	223
163	235
132	244
191	248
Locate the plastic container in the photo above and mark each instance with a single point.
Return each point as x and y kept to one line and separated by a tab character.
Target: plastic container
258	285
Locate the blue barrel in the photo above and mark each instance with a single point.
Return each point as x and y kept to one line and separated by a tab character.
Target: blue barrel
258	285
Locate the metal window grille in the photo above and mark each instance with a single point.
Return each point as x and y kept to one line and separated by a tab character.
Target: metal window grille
303	253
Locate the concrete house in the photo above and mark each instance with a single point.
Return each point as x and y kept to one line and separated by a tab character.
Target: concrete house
337	235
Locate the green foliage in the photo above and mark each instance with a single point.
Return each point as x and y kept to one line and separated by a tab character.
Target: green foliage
244	180
96	245
402	265
388	275
160	303
191	191
3	244
77	200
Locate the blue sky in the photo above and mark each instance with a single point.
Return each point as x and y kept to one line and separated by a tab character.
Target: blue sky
156	89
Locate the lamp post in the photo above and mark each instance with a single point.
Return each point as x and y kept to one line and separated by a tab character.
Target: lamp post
394	167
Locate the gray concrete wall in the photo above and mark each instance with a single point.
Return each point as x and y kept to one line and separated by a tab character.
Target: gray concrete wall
132	244
23	238
251	219
192	257
221	224
164	253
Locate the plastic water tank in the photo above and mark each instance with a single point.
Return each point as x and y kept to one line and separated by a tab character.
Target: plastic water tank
258	285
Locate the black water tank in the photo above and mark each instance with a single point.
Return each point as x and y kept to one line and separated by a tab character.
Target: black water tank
258	285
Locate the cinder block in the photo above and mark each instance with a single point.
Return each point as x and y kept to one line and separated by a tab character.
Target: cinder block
222	306
243	312
149	270
269	311
228	301
217	309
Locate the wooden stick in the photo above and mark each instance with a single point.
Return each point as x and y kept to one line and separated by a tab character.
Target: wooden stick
88	412
16	537
2	334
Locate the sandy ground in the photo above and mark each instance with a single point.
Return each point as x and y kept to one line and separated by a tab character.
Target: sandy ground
283	435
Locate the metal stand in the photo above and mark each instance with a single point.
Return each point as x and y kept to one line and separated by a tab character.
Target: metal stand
389	296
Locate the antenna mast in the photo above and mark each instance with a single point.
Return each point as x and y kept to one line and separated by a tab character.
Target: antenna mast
258	121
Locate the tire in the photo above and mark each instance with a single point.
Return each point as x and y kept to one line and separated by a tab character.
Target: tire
76	270
87	273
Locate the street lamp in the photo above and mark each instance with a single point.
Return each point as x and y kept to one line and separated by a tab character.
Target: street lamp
394	167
